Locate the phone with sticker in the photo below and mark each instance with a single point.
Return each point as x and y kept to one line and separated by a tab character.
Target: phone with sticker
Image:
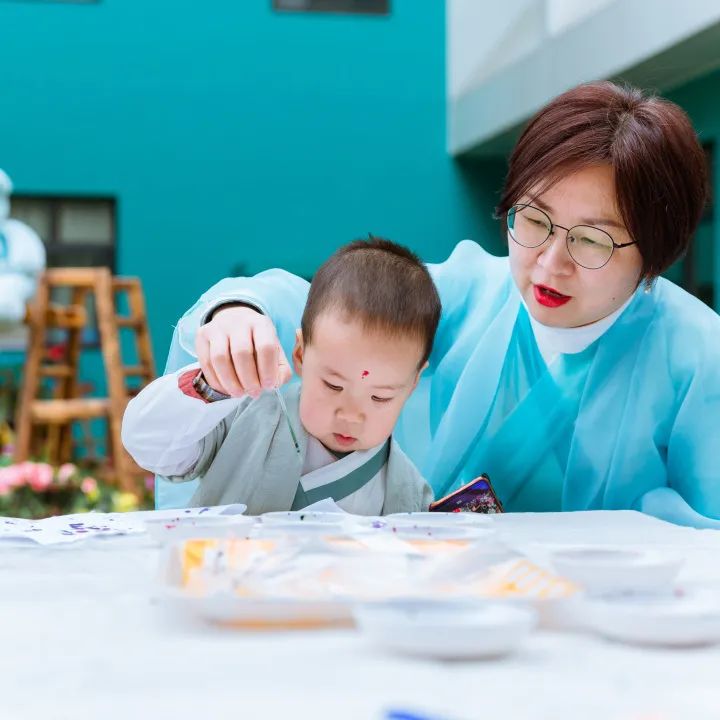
476	496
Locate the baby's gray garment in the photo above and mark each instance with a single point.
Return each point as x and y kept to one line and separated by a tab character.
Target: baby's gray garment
250	458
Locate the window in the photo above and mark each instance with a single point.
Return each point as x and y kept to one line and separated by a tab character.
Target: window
354	7
77	232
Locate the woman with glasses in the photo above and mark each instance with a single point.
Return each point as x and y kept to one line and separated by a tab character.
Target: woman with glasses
570	372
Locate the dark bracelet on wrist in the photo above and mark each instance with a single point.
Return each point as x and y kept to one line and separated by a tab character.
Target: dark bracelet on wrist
233	303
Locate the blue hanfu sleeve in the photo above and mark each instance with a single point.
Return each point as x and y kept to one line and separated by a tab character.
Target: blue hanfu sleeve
278	294
692	495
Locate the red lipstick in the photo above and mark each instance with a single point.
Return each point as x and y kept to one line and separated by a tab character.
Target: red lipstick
549	297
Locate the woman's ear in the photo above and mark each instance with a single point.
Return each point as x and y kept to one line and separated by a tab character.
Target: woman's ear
298	351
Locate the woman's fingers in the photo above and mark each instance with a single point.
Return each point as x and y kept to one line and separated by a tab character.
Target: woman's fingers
284	371
202	348
222	366
268	353
239	352
242	354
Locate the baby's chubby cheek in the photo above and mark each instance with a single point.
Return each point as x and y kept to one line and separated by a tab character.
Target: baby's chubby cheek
310	415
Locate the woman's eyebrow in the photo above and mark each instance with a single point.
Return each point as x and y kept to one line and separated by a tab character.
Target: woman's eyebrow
585	221
603	221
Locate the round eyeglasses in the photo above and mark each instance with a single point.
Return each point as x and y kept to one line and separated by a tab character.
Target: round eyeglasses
588	246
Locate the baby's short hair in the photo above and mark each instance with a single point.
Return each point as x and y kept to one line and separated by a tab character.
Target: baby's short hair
383	285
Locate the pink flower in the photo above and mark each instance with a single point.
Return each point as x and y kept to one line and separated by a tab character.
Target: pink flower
65	472
6	480
26	470
89	485
12	476
41	477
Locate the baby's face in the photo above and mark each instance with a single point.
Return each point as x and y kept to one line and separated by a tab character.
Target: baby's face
354	382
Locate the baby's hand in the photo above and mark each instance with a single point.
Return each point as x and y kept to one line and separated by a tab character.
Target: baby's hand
240	354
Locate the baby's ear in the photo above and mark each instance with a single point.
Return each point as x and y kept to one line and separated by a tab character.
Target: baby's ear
298	351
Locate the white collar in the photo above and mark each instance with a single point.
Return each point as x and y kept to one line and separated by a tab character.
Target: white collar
554	341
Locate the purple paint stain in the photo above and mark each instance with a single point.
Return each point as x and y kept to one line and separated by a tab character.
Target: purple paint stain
203	510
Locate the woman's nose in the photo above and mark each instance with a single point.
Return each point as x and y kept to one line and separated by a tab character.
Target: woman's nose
554	256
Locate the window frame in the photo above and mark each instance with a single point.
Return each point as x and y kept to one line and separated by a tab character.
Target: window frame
54	244
344	7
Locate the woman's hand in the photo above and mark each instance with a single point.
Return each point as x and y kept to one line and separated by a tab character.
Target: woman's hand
240	354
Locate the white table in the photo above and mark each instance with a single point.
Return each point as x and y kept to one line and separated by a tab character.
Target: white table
83	636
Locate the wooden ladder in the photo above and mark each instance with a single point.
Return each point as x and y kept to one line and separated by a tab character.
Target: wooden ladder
66	406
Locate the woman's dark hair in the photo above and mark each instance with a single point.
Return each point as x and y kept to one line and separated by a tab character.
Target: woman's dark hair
659	165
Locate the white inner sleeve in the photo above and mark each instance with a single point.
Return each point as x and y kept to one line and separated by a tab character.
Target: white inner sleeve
163	428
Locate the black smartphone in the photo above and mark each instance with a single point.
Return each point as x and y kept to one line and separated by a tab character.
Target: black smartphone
477	496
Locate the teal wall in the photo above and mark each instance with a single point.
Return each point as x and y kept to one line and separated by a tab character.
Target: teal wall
234	136
700	100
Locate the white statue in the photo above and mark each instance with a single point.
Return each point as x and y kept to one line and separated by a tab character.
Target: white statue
22	259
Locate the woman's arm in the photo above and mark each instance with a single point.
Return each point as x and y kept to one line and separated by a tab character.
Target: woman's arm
241	349
693	451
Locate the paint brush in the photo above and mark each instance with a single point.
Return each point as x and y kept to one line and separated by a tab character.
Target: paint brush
284	409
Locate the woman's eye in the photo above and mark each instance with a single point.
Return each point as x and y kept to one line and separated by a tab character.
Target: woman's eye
587	241
377	399
330	386
583	240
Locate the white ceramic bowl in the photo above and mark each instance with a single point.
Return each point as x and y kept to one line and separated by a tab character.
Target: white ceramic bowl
169	529
610	570
666	620
445	629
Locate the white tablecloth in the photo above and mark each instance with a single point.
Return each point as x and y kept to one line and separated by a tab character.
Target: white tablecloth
84	636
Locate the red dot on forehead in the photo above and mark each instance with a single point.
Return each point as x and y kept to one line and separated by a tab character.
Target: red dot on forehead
365	373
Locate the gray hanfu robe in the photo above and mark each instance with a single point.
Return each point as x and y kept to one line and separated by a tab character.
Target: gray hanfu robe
250	458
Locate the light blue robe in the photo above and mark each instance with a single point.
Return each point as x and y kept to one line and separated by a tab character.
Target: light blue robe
632	422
